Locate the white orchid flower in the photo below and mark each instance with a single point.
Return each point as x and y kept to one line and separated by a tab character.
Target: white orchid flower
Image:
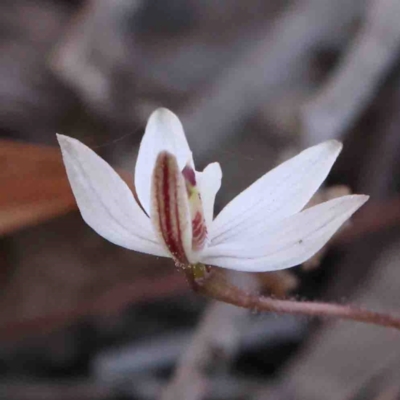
263	229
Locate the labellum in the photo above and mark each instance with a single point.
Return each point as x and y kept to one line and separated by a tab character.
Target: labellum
177	210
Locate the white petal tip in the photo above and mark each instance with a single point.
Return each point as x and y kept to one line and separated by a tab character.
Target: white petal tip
355	201
216	168
164	120
334	145
60	137
162	114
64	141
361	198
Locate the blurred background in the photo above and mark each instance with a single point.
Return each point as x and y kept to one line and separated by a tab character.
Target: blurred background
254	82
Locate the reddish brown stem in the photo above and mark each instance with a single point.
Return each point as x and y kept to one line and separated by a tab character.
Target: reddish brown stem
217	287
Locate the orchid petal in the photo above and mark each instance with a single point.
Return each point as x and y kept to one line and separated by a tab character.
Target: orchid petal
280	193
170	208
164	132
209	182
289	242
105	201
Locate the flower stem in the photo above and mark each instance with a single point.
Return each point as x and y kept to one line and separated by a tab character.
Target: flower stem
216	286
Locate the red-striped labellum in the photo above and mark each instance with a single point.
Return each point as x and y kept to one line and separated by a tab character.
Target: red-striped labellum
177	211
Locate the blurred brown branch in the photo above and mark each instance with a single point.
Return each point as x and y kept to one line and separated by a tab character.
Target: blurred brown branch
34	185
